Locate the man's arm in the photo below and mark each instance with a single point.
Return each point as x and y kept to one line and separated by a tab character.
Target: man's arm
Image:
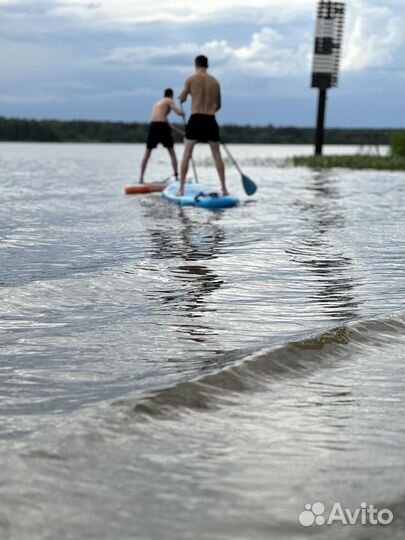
219	101
186	91
173	107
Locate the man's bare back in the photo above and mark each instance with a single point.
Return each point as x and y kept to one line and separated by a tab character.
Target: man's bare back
160	130
202	126
205	91
163	108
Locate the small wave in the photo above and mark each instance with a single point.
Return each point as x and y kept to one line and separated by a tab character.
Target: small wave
246	371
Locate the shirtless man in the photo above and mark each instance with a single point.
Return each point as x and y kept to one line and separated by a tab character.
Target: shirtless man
159	130
202	125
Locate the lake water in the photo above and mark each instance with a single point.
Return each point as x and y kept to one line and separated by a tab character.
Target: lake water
176	374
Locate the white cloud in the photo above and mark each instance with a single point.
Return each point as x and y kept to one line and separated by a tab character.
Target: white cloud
181	11
374	35
267	54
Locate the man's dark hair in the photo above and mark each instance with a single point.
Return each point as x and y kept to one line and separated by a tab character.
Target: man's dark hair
201	61
168	92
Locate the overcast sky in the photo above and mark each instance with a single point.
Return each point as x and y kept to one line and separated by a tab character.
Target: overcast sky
111	59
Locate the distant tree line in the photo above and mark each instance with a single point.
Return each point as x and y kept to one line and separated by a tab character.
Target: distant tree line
15	129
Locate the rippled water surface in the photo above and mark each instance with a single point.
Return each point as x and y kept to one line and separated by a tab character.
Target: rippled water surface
173	373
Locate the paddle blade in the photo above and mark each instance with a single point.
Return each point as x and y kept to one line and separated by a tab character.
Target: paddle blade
248	185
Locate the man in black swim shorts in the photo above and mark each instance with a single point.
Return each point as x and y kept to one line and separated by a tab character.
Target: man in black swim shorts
202	126
160	131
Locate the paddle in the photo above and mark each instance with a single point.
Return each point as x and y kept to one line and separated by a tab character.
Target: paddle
165	179
248	185
192	159
161	181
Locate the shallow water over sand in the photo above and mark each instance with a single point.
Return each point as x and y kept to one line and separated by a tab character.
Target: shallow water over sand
176	373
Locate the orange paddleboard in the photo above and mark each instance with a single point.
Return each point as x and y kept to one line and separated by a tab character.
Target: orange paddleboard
138	189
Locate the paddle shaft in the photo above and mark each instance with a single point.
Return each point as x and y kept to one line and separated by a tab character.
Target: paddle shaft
231	158
166	179
248	185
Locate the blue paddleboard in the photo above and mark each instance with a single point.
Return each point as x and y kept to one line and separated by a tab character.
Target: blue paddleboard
200	196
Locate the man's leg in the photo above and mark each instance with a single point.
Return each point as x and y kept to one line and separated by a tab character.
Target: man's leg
144	163
216	154
174	161
188	152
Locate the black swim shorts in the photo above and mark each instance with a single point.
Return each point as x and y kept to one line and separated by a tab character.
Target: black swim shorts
159	132
202	128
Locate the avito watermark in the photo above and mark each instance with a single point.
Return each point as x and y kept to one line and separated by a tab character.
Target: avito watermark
367	514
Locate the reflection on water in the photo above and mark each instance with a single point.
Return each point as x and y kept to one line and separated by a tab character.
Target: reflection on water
316	251
203	282
194	240
198	238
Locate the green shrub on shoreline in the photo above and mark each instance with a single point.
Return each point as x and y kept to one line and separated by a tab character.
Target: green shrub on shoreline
393	162
398	144
383	163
